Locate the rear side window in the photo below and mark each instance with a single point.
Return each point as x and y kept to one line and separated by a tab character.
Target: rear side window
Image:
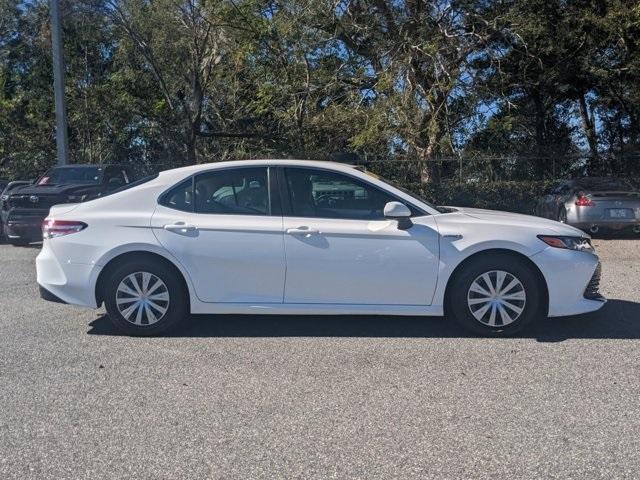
241	191
179	197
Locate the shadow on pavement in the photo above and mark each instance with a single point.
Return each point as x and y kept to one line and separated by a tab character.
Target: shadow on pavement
615	235
618	319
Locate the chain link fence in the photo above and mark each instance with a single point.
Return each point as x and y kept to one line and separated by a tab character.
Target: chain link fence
511	183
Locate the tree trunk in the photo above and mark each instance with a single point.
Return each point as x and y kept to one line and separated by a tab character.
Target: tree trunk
589	131
190	145
540	163
432	168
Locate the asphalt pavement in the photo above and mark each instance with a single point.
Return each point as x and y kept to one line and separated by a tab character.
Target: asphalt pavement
254	397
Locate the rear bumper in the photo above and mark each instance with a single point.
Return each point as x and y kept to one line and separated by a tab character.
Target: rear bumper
607	224
48	296
21	225
72	283
586	217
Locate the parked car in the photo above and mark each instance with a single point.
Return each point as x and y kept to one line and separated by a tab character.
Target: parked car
29	205
593	203
302	237
4	204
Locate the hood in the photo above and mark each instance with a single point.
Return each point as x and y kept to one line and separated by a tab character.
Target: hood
496	217
54	189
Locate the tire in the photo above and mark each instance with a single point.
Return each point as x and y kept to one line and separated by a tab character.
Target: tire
166	304
465	301
18	243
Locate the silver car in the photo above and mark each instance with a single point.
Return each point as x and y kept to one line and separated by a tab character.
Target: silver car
593	204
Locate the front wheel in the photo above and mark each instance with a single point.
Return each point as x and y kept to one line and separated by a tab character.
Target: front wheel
145	299
495	296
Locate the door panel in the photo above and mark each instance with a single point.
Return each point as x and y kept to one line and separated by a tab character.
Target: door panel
230	258
360	262
219	226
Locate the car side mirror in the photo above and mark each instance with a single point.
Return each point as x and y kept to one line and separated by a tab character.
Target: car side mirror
400	212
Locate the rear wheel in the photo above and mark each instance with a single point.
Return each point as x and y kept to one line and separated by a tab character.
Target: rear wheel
145	299
495	296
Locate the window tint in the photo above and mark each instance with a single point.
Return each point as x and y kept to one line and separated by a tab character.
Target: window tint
115	177
321	194
68	175
242	191
179	197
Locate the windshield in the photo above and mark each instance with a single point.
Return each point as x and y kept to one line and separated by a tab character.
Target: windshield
66	175
404	190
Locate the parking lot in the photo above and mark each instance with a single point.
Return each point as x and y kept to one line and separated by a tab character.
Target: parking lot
319	397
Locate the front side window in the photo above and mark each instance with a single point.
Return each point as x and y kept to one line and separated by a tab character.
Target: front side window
324	194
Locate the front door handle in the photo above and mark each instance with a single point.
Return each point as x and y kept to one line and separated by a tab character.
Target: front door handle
180	227
302	231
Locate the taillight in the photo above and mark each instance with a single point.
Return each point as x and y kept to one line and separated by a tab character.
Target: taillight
584	201
52	228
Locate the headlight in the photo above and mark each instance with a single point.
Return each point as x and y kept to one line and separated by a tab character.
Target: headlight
76	198
582	244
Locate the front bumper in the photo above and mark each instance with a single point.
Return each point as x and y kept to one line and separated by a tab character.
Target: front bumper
572	281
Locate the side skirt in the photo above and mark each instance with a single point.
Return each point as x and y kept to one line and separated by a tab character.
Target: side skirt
314	309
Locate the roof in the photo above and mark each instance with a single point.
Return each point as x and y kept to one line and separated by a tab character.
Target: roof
260	162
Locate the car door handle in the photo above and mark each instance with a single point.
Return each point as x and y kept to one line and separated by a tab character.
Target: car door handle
180	227
302	231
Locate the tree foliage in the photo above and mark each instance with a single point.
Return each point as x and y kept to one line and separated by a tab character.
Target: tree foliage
509	89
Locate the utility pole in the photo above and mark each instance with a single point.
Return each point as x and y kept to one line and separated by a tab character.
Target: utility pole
62	142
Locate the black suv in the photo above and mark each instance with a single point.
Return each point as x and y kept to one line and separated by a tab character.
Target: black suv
29	205
4	203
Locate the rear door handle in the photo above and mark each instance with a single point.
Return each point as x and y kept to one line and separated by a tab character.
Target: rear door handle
302	231
180	227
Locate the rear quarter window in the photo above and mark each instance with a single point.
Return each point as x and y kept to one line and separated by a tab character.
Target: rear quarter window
179	197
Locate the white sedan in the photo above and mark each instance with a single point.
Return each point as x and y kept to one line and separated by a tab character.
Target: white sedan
303	237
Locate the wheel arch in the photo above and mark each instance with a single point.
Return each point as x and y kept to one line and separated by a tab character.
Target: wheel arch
128	256
542	283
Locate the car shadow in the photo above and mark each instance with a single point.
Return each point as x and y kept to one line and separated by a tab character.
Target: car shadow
618	319
615	235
